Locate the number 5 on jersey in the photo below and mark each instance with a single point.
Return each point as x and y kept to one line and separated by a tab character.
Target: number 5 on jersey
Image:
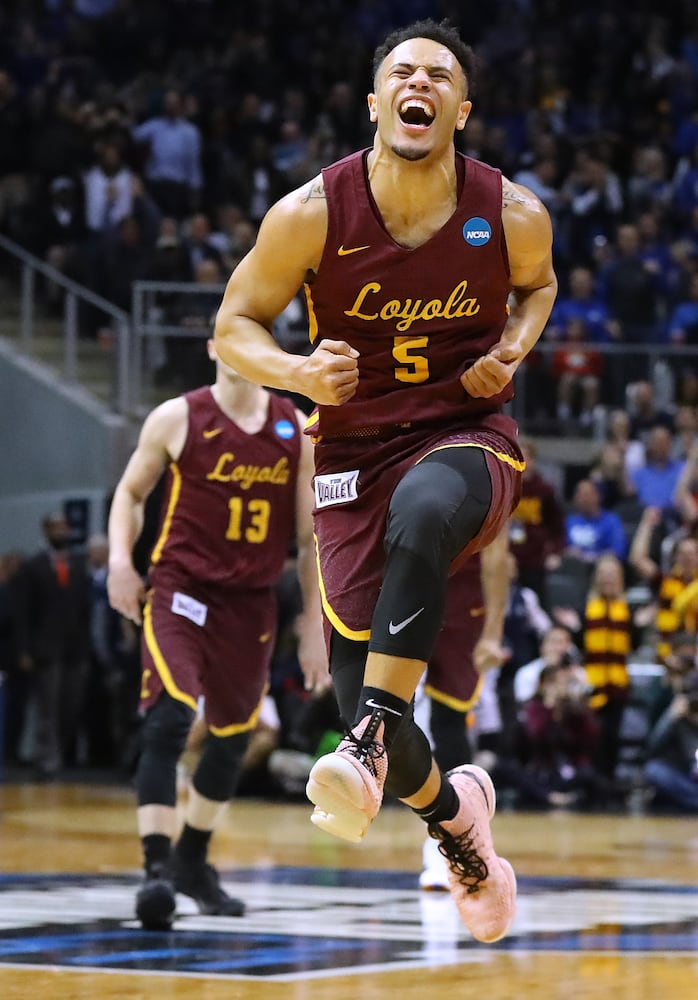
411	367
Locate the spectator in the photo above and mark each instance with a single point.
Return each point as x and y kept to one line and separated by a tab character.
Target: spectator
595	199
631	290
648	185
686	184
592	531
686	492
611	478
194	312
57	233
262	183
525	622
541	178
680	661
109	190
173	161
199	243
111	697
556	646
53	612
581	303
682	326
536	528
672	750
686	434
667	585
125	256
576	370
607	643
170	260
619	433
645	414
562	738
656	481
14	680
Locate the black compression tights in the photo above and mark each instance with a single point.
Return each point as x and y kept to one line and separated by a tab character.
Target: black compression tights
435	512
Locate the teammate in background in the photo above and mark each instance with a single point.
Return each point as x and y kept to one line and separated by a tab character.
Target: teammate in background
429	278
239	491
468	645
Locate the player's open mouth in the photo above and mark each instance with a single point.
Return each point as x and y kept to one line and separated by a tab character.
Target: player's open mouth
416	113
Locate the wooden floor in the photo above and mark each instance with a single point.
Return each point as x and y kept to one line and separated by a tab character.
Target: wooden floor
576	873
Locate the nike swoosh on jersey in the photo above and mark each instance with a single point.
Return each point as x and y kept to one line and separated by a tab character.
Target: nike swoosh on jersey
394	629
213	433
342	252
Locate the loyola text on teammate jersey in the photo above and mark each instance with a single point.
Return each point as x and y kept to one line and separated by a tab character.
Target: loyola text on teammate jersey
408	311
248	475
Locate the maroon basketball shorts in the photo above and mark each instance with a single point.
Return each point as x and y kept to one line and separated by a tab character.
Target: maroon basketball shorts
354	482
451	677
219	648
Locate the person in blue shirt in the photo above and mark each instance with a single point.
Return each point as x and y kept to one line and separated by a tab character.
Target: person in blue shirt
173	171
656	480
683	322
590	530
581	303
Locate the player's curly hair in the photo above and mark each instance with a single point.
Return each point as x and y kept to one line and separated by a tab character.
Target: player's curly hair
443	32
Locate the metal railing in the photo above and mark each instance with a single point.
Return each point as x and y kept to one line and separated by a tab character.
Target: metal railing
151	325
121	397
623	364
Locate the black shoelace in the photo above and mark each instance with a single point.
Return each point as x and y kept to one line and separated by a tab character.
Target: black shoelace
366	747
461	856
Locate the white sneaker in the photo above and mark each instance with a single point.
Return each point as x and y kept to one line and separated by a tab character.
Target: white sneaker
434	874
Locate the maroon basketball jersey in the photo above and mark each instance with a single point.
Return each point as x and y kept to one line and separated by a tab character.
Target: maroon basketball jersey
228	515
418	317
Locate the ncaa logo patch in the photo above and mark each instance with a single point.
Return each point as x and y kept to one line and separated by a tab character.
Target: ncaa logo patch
285	429
477	232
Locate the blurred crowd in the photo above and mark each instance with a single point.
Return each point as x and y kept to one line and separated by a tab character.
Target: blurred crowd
146	140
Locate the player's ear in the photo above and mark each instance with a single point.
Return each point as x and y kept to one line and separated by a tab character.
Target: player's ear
463	113
211	348
372	112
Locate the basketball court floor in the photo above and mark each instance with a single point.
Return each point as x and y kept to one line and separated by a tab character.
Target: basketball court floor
608	908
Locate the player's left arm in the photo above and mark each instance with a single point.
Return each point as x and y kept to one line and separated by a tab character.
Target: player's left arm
312	654
529	239
489	652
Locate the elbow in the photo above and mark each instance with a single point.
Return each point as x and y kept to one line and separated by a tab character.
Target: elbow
219	325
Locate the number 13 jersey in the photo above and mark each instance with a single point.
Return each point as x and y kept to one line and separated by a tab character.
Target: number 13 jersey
229	512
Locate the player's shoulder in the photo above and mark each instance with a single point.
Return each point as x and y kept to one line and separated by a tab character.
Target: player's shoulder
297	221
166	418
518	200
307	203
524	216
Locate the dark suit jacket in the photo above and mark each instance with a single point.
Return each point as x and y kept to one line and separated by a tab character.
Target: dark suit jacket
53	620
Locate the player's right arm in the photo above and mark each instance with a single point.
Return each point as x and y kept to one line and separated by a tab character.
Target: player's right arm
289	246
161	439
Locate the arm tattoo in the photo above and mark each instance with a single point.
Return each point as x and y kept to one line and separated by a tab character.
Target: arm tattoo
510	194
315	190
